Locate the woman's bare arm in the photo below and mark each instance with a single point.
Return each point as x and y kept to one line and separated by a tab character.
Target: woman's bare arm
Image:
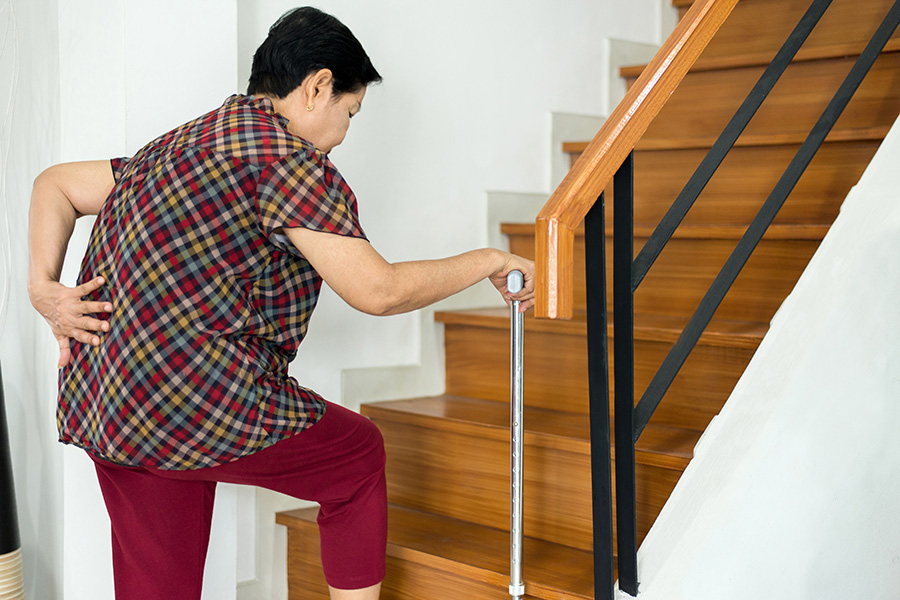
60	195
367	282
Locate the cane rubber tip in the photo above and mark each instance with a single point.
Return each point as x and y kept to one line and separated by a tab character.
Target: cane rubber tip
515	281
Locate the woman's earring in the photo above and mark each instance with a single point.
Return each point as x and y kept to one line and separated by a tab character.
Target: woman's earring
310	107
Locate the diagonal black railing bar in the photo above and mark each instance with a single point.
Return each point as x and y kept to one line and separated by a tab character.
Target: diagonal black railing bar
685	200
598	375
726	277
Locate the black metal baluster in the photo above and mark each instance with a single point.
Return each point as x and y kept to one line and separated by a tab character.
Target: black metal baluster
720	149
623	316
747	244
598	375
627	275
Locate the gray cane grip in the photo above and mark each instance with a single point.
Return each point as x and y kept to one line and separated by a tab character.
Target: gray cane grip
515	281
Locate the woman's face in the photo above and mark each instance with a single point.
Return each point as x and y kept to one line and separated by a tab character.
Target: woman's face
329	118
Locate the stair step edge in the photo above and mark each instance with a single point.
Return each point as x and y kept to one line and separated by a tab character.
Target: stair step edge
762	59
747	140
778	231
457	547
649	328
661	446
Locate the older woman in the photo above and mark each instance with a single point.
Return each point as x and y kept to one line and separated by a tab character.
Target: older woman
201	274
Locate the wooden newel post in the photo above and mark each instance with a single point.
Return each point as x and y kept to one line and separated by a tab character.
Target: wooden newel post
12	586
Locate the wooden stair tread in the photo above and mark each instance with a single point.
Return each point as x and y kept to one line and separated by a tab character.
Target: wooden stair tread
762	59
706	101
660	445
744	180
552	571
747	140
657	328
776	231
756	30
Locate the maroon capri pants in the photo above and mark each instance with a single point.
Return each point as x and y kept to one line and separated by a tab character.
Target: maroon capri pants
161	519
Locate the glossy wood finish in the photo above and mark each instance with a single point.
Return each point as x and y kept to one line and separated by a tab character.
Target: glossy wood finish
688	265
742	183
563	213
757	28
707	100
556	363
439	558
306	581
462	444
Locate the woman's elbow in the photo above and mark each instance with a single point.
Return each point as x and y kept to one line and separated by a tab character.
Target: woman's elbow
380	300
45	178
48	187
379	293
381	305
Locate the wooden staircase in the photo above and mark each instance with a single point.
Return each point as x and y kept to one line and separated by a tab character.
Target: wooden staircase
448	456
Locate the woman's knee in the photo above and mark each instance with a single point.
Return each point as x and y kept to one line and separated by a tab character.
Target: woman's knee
374	455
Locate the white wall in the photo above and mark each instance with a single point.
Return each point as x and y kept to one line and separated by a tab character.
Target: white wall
793	490
464	109
85	79
29	141
118	90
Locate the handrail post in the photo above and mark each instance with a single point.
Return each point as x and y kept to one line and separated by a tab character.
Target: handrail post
598	375
623	315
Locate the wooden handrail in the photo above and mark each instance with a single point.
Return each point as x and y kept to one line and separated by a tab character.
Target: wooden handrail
593	171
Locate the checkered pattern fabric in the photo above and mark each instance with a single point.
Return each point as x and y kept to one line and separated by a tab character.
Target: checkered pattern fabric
210	300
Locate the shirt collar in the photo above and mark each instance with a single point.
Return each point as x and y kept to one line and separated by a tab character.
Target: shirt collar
262	103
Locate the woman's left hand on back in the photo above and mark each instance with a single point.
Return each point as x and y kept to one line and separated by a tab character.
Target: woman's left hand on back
69	315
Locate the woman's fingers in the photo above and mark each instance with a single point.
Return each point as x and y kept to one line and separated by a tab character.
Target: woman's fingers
78	324
526	304
526	267
89	286
83	333
82	327
85	337
525	296
70	317
89	308
65	354
90	324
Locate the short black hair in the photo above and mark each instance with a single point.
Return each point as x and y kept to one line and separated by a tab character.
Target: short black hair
304	41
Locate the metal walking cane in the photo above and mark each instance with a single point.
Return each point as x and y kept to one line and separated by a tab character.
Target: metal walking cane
514	283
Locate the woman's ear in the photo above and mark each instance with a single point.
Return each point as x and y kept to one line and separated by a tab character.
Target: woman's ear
320	84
